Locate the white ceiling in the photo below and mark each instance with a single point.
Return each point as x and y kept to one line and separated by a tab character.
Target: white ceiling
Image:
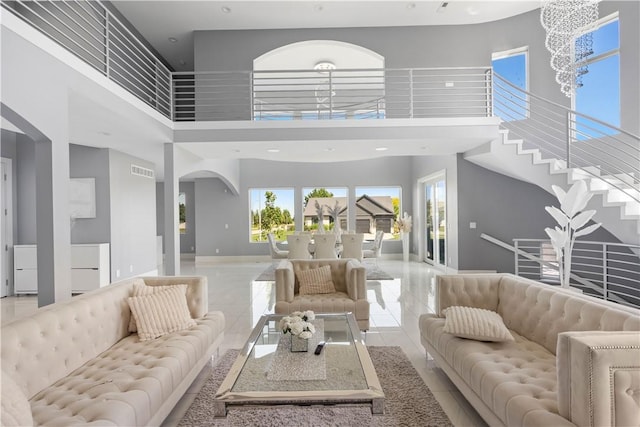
158	21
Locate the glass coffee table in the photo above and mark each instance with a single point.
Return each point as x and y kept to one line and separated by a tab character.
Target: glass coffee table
267	373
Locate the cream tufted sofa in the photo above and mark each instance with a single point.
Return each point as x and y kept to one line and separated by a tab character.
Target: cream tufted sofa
349	278
77	364
575	359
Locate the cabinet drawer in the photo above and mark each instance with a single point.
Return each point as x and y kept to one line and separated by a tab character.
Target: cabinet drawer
85	256
84	280
25	257
26	281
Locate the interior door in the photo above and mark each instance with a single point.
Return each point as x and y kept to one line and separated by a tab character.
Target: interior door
5	229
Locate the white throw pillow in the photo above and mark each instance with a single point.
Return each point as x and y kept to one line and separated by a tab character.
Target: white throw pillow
142	289
476	324
161	313
316	281
16	410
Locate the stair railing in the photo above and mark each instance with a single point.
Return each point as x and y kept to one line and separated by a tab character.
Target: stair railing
598	149
612	267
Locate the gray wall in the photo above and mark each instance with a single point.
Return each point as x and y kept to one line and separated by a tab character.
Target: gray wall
88	162
504	208
439	46
133	214
216	207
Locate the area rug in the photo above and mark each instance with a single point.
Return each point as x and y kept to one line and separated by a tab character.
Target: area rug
373	273
408	401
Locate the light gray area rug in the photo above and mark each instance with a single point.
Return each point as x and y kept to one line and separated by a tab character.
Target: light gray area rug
373	273
408	401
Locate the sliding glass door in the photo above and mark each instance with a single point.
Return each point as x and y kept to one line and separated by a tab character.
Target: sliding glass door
435	218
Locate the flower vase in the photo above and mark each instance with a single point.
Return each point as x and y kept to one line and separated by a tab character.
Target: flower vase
405	246
299	344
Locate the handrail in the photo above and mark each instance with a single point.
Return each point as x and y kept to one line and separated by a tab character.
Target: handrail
91	31
581	141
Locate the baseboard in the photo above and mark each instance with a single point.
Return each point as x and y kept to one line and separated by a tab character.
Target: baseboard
209	260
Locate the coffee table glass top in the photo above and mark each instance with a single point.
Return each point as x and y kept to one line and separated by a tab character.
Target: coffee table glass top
266	371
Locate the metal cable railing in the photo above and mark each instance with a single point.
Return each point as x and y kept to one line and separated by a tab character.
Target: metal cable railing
95	35
332	94
597	149
606	270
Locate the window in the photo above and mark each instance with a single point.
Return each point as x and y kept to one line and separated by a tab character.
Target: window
511	65
271	212
182	211
377	208
328	199
598	94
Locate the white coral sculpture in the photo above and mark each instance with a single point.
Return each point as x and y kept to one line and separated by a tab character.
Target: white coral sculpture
571	224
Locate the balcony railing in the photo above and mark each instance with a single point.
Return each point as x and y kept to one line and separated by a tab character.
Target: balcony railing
94	34
332	94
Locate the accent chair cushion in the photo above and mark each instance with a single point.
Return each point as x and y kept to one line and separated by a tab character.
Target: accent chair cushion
476	324
161	313
16	410
316	281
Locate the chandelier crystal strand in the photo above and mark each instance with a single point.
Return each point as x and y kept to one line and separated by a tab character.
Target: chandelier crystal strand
567	24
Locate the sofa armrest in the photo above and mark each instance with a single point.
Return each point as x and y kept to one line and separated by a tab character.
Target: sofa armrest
285	281
197	293
599	377
470	290
356	280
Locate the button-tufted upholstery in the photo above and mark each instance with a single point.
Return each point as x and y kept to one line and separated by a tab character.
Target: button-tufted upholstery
77	364
518	383
349	279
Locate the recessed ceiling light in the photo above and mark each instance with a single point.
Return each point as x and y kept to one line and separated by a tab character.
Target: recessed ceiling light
236	150
381	148
273	150
102	132
318	8
173	40
226	9
411	6
472	11
324	66
329	149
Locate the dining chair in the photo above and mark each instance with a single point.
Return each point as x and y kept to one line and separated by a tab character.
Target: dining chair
352	246
299	246
276	252
376	250
325	246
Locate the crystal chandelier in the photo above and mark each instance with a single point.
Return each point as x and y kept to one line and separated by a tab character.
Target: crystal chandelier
566	23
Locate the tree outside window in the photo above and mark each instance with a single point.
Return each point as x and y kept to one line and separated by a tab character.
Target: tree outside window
271	213
182	211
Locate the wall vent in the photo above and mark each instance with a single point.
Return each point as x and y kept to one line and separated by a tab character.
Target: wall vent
140	171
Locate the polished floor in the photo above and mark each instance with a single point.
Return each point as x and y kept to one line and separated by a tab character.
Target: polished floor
395	307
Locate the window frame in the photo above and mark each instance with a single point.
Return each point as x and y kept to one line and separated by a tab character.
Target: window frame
522	50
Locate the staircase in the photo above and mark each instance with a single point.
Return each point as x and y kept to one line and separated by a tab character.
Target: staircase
614	203
540	139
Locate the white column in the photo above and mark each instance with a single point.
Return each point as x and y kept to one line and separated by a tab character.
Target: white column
171	215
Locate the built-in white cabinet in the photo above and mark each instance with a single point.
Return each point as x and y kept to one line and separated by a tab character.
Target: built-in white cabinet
90	267
25	269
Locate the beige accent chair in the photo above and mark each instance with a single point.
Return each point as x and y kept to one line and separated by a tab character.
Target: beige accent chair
325	246
299	246
376	250
276	252
349	279
352	246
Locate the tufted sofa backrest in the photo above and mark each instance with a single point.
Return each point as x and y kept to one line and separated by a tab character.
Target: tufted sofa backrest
42	348
338	271
540	312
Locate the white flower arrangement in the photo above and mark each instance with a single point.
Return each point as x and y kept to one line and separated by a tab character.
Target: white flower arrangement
404	223
298	324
